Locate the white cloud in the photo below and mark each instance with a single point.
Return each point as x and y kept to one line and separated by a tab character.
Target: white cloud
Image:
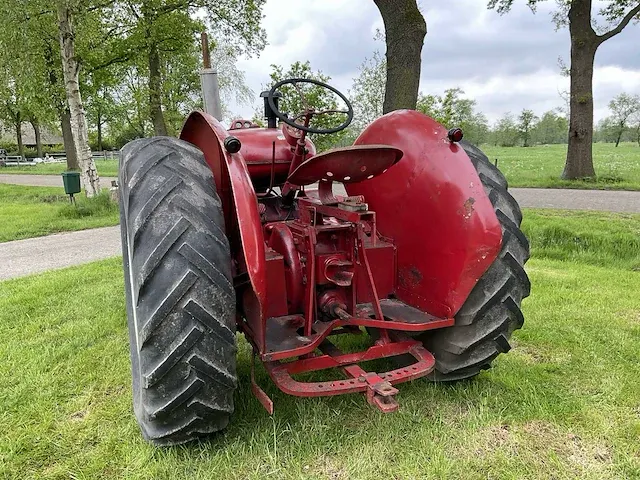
506	63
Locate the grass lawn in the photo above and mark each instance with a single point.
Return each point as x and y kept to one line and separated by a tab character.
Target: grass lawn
564	403
106	168
541	166
35	211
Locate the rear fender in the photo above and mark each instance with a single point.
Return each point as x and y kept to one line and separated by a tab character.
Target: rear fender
239	203
434	207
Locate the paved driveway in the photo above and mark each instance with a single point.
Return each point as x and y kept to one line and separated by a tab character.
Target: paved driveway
35	255
42	180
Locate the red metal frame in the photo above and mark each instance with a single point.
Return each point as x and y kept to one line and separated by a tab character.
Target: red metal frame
454	234
307	268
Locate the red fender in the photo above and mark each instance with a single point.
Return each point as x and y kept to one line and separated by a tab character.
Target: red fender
238	197
432	204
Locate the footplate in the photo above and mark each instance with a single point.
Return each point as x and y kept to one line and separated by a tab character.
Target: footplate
378	388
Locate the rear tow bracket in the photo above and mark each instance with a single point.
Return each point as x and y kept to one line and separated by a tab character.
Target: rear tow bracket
378	387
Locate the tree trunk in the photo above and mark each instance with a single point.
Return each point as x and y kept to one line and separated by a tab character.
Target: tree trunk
405	30
584	43
70	69
18	126
99	127
155	91
619	137
67	138
36	131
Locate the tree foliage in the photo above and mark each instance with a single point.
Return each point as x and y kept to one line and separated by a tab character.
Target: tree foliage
624	108
526	123
367	91
551	129
454	110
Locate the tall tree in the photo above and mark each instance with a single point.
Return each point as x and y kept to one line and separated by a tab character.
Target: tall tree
147	28
526	123
585	41
70	69
405	30
623	108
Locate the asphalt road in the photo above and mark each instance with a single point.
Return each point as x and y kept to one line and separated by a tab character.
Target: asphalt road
35	255
42	180
603	200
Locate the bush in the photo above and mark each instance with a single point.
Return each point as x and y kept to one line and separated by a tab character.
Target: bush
9	147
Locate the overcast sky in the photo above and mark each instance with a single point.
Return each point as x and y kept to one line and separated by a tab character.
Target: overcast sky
506	63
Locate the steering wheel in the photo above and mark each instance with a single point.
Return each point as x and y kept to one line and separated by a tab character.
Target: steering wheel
309	112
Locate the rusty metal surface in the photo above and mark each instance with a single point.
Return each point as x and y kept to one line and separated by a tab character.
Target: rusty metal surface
346	164
378	388
434	208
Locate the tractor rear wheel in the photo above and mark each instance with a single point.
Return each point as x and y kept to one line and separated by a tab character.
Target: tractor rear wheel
491	313
180	300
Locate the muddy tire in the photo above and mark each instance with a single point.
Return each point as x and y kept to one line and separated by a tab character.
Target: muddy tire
491	313
179	296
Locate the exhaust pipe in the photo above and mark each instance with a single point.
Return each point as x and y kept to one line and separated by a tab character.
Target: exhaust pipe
209	82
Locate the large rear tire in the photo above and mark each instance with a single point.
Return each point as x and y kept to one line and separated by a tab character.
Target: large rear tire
491	313
180	300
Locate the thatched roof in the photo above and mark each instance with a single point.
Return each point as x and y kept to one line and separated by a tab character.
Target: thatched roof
48	137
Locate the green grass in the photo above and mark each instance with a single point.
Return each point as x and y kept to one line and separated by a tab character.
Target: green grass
35	211
541	166
595	238
106	168
564	403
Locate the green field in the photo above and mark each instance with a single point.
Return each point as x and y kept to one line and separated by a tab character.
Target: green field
539	166
564	403
27	212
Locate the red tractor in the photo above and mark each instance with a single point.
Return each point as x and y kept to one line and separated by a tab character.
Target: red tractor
223	232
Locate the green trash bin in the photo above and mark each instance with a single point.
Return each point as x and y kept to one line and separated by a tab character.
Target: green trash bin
71	182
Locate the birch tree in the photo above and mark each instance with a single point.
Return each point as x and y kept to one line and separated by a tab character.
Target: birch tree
70	69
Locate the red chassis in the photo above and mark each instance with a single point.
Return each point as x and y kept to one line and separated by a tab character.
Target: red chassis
322	265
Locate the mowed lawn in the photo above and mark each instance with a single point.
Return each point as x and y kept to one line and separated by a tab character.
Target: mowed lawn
542	165
106	168
563	403
27	212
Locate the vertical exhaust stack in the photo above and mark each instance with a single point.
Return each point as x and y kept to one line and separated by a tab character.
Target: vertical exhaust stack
209	83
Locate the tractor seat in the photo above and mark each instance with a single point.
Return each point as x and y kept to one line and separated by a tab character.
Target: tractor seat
346	165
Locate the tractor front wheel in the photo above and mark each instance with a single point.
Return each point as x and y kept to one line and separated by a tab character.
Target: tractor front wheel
180	300
491	313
